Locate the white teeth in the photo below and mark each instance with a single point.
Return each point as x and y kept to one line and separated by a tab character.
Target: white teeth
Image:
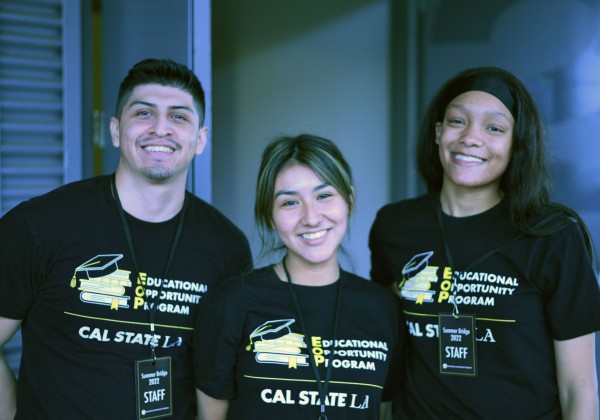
468	158
312	236
163	149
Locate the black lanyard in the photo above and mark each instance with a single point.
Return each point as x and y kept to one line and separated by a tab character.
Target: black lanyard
323	388
472	264
153	306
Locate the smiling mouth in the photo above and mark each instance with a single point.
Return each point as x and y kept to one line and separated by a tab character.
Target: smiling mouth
466	158
314	235
163	149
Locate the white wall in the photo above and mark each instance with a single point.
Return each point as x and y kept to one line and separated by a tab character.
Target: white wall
323	70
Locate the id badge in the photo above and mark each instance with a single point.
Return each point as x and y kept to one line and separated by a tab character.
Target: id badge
153	388
457	345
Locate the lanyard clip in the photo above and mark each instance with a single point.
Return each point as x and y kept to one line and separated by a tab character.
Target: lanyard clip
153	341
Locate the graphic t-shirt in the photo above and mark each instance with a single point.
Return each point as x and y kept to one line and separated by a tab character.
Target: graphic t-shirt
250	347
68	274
527	294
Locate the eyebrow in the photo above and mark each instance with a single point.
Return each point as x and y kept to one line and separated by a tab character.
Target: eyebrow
465	108
152	105
292	192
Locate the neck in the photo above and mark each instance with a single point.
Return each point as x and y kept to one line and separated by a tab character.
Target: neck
147	201
309	275
459	202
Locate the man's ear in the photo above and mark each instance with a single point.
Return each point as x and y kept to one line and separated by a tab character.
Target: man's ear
202	139
114	132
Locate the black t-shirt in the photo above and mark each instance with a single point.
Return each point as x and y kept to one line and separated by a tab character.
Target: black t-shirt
524	296
251	349
67	273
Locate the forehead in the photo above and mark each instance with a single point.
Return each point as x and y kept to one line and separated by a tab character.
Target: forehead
296	174
479	98
161	96
476	100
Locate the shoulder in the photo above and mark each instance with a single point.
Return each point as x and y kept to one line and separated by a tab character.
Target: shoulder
423	204
370	289
68	200
255	277
554	216
560	238
371	301
225	238
201	211
406	217
64	209
73	191
559	221
243	285
72	196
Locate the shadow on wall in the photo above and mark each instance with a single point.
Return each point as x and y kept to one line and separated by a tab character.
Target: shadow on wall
292	19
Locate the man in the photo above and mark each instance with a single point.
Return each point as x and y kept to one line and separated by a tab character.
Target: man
105	275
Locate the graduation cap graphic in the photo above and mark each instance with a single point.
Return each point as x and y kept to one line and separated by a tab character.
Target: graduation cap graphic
417	277
274	342
99	266
416	264
101	282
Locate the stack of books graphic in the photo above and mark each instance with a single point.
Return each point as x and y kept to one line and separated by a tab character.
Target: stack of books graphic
278	344
419	276
418	287
102	282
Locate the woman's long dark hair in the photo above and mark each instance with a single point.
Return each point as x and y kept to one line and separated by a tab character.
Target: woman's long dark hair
526	181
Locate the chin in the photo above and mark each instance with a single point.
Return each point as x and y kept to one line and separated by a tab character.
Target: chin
319	260
158	173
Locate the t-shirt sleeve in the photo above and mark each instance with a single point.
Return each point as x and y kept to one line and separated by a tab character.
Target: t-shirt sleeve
571	288
395	372
17	265
241	256
217	337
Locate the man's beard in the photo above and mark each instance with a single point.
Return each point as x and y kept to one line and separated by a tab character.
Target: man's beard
158	172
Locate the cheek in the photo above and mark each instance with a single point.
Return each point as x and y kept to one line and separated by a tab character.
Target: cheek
504	152
441	154
444	140
340	213
343	213
128	134
283	222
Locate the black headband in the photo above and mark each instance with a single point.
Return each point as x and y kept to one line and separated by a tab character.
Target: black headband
485	83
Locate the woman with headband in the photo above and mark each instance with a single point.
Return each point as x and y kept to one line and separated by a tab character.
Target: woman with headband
497	283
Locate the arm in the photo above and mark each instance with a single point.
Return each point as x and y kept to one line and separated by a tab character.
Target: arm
210	408
384	409
8	384
576	376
